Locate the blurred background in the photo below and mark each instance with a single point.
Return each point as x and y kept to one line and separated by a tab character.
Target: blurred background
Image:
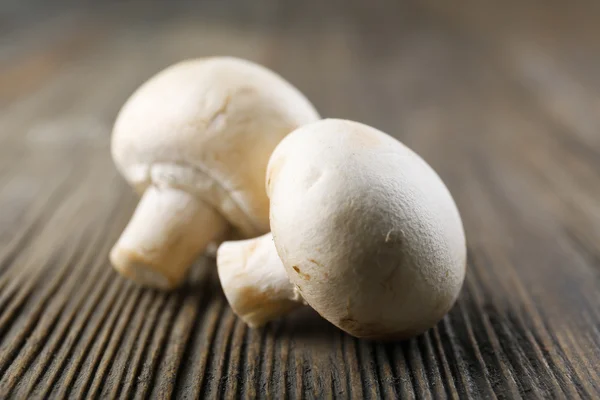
502	98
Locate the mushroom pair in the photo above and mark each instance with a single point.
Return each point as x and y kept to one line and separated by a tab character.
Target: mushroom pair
362	229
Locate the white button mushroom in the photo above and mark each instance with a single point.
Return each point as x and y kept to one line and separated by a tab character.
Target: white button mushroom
195	140
365	230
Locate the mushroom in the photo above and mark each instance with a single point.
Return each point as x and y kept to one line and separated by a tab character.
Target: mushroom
194	141
363	230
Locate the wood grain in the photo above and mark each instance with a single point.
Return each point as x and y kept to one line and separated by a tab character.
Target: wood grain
502	100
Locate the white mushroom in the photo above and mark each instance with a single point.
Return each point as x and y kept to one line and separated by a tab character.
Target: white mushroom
365	232
195	141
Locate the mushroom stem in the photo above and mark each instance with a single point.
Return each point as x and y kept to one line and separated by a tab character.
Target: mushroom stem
167	231
255	281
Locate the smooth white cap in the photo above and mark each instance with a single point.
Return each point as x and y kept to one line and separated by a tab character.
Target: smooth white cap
204	127
365	228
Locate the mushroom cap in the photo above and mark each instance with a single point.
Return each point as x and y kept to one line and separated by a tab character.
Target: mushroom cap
208	126
366	229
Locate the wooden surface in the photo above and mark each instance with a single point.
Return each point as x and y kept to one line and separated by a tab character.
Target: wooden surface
503	101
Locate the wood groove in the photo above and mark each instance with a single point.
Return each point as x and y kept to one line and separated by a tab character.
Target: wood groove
385	373
592	377
280	362
18	339
561	372
35	218
103	333
109	352
460	366
369	377
296	374
157	346
194	350
339	367
141	344
120	366
14	280
116	298
262	362
222	350
449	381
215	316
477	353
49	352
101	284
269	362
244	369
39	335
358	387
499	356
285	372
535	346
435	377
67	344
407	382
519	358
180	337
230	388
415	364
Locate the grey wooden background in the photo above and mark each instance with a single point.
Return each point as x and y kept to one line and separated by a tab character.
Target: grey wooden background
501	98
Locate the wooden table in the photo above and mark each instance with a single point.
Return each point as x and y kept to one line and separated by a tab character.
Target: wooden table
503	101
